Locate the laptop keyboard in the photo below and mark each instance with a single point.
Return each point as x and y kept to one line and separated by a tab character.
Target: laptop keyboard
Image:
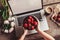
20	19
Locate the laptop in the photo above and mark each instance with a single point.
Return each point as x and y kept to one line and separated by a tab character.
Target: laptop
23	8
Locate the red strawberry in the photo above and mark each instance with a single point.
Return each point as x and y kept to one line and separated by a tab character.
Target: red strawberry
59	19
36	23
30	17
29	28
29	20
29	24
32	22
25	25
32	27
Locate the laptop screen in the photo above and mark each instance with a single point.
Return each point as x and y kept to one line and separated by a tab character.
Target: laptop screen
20	6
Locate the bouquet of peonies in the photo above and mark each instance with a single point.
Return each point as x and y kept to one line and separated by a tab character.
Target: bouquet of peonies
9	24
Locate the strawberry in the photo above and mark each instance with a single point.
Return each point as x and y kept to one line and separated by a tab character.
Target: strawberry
29	28
29	20
59	19
30	17
32	22
36	23
25	25
32	27
29	24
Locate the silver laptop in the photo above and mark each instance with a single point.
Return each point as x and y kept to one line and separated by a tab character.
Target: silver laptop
23	8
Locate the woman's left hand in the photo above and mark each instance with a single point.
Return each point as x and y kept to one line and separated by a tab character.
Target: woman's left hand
24	34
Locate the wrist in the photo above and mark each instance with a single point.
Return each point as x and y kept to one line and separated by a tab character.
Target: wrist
25	32
24	35
38	30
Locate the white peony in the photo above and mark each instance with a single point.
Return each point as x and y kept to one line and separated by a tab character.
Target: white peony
10	19
13	18
11	29
12	24
6	31
6	22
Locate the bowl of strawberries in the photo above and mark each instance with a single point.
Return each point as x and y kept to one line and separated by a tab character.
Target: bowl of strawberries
30	22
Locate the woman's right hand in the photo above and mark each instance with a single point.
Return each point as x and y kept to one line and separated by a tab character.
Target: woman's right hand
38	26
42	33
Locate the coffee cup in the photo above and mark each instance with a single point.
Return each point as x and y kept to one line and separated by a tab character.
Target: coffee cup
48	10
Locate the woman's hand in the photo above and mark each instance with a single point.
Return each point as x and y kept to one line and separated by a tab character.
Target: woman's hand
25	31
43	34
24	34
38	27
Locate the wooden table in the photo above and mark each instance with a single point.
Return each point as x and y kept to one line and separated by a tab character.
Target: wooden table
53	31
